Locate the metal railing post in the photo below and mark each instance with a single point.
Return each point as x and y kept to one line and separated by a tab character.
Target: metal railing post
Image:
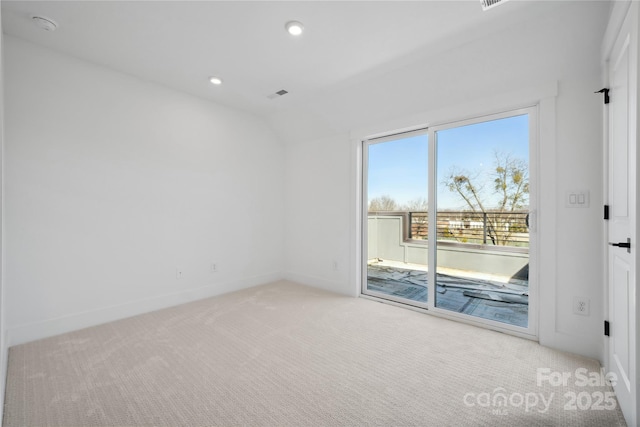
484	228
410	225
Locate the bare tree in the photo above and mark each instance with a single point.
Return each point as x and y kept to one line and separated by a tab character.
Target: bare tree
511	182
511	190
420	204
382	203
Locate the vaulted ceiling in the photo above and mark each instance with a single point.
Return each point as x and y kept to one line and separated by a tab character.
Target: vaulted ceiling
180	44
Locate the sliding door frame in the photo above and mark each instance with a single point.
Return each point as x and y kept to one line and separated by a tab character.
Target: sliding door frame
365	212
531	331
532	310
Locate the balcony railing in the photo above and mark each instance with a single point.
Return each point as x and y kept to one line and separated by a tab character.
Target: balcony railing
500	229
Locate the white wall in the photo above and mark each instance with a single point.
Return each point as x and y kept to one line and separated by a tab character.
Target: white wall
112	182
3	335
317	214
496	72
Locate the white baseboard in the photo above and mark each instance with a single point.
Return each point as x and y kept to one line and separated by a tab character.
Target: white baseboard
582	345
33	331
318	282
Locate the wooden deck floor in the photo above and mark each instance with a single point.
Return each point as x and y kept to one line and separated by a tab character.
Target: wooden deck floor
502	302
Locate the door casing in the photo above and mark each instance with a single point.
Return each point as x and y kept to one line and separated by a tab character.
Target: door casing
531	332
620	177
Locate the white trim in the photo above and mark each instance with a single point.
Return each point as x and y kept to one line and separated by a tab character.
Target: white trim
4	343
466	320
33	331
542	141
355	272
432	218
500	102
394	303
403	302
622	31
534	208
363	221
547	208
501	114
604	236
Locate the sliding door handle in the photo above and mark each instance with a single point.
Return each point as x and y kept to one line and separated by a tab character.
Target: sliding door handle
626	244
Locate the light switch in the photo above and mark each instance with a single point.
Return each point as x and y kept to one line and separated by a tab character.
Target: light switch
577	199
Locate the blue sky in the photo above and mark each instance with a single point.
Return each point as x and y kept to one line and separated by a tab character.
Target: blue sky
398	168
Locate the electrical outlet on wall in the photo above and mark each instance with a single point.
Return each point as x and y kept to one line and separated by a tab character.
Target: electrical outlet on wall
581	306
213	267
178	273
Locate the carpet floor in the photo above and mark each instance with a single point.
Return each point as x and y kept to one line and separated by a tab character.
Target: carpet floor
289	355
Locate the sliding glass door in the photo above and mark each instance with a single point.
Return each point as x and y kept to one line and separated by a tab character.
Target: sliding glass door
482	217
396	221
451	205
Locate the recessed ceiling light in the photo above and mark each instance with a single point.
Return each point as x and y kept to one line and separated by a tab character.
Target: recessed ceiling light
294	28
215	80
46	24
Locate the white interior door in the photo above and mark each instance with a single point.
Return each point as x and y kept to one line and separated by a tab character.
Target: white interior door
622	220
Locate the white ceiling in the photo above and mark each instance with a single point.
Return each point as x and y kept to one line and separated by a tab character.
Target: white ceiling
180	43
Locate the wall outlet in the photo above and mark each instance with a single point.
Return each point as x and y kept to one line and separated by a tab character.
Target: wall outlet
178	273
581	306
336	266
213	268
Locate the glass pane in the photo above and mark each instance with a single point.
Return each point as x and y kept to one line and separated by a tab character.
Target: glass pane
482	220
397	218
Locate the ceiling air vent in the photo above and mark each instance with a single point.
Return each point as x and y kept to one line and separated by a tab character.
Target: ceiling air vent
278	94
488	4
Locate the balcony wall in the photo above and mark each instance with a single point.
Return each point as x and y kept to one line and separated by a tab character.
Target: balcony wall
387	240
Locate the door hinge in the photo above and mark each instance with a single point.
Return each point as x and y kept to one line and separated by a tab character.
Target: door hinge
606	94
606	328
606	211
